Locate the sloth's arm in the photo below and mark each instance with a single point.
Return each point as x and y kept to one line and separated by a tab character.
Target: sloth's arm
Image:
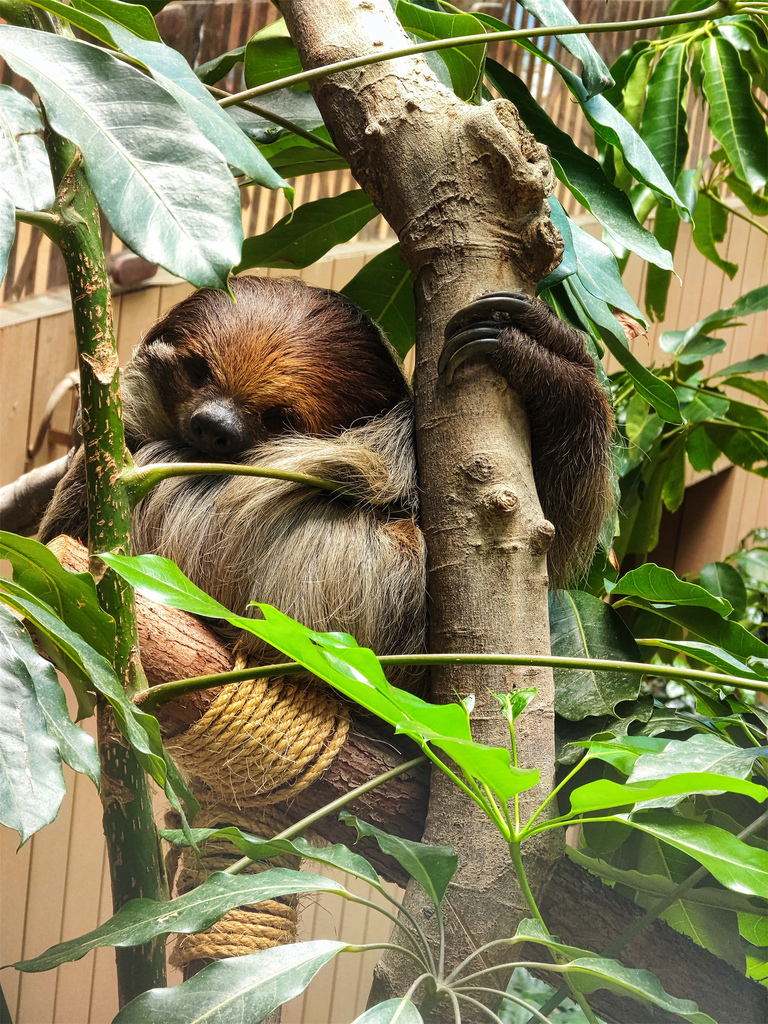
547	363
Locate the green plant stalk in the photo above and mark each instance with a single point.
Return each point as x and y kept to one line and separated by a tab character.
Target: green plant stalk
132	843
717	10
736	213
152	699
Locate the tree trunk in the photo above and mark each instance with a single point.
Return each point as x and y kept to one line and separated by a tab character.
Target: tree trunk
464	187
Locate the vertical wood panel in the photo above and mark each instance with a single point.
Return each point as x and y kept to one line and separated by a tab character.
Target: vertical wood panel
17	361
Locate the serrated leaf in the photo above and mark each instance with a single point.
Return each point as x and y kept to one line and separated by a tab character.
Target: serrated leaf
433	867
734	863
31	781
582	626
657	584
148	182
664	117
314	228
581	173
243	988
24	168
734	118
465	63
384	289
171	71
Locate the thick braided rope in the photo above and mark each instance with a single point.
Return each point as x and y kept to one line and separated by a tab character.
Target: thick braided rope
262	741
241	930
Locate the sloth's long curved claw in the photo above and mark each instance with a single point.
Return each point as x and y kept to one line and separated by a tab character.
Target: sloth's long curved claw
468	335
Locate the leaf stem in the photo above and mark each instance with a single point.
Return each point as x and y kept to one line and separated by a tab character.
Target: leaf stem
717	10
736	213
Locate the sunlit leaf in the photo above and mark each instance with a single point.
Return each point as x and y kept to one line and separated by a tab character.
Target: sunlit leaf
664	117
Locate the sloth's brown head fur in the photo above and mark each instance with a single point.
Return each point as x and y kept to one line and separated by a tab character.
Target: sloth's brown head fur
284	357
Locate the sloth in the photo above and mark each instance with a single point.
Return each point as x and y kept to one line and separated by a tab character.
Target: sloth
299	378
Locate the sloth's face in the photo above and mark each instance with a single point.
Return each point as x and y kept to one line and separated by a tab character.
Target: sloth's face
224	377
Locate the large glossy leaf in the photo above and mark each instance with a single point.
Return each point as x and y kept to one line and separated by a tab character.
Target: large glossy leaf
704	752
384	289
582	626
31	781
655	583
465	63
433	867
269	55
605	794
611	126
598	271
84	14
303	237
166	191
725	582
7	230
86	667
581	173
244	988
24	169
595	74
171	71
336	658
72	596
712	655
734	118
664	118
141	920
709	627
734	863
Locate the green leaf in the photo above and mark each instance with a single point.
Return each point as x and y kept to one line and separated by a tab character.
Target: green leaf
31	781
753	562
24	168
664	118
464	63
589	975
701	450
610	125
141	920
303	158
336	658
433	867
146	161
243	988
732	862
598	271
704	752
709	228
758	388
666	227
81	19
734	118
673	488
384	289
654	583
212	71
567	265
338	856
7	230
711	655
710	627
133	16
725	582
86	667
170	70
391	1011
551	13
72	596
294	105
581	173
303	237
656	391
755	202
270	55
582	626
604	794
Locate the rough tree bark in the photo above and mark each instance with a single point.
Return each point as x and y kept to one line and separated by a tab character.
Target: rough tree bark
465	189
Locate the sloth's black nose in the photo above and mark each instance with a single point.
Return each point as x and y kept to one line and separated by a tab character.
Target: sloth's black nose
217	427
